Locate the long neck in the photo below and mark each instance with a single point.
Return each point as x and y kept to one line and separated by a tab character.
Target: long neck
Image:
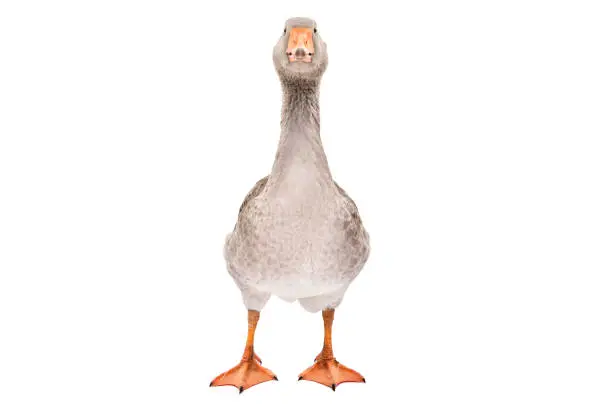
300	159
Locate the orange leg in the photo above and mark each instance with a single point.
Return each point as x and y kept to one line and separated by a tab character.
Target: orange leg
326	369
249	371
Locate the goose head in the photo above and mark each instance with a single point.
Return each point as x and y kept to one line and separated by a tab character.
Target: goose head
300	54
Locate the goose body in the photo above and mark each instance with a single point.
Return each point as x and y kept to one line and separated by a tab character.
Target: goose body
307	245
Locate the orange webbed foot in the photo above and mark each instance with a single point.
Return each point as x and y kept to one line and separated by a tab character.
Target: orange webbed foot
330	373
245	375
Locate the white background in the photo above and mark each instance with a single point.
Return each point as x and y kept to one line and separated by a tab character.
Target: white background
474	136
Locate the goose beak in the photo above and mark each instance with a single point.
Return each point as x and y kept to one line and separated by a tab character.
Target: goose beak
300	46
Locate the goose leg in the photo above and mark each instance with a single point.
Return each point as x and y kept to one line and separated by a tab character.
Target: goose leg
327	370
249	371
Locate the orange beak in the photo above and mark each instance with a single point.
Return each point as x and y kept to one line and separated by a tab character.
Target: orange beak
300	46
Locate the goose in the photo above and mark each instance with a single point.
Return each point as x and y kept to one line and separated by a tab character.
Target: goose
298	236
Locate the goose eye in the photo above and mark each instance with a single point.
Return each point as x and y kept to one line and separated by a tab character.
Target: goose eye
285	30
315	30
